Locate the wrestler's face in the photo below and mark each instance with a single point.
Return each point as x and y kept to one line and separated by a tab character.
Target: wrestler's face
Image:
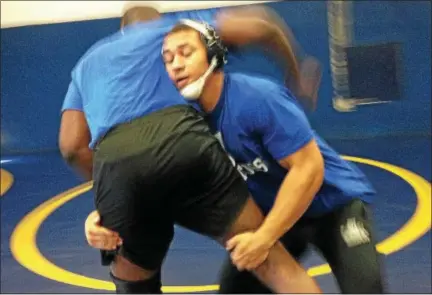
185	57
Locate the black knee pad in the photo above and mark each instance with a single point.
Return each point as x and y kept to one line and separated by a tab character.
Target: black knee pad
149	286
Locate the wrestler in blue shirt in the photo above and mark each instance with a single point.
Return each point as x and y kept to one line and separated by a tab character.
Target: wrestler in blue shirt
308	192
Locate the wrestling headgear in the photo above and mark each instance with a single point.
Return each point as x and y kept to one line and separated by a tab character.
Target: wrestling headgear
216	53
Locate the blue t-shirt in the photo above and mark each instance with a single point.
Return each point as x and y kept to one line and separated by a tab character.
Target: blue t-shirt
259	123
123	77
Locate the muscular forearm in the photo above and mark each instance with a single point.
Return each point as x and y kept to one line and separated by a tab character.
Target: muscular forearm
81	161
239	27
294	197
281	46
284	45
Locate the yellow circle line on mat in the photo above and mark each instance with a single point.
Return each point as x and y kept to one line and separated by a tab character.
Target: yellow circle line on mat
6	181
26	252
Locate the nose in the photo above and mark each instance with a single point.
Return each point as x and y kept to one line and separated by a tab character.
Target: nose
178	63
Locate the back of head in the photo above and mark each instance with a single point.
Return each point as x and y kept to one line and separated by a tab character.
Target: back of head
135	14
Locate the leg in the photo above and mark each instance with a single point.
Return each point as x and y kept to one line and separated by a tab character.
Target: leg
146	173
143	222
280	272
347	242
134	181
233	281
227	210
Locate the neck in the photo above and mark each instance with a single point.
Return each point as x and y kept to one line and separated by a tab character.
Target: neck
212	91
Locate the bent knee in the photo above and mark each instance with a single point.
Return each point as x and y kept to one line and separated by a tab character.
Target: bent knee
152	285
124	269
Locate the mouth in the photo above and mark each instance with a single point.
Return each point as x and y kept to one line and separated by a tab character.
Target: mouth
182	82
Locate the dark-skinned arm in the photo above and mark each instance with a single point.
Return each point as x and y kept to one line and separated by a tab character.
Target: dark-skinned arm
74	139
260	25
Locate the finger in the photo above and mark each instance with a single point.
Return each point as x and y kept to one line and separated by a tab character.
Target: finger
245	264
240	264
102	232
112	244
103	244
91	242
249	260
96	243
232	243
108	233
247	251
96	233
237	259
96	218
96	240
253	264
239	252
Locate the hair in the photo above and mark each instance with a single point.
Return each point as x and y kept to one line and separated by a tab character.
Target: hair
139	14
182	28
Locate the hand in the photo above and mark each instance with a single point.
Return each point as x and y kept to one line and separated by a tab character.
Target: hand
248	250
98	236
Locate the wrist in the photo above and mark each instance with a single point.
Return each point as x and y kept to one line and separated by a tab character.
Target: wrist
266	237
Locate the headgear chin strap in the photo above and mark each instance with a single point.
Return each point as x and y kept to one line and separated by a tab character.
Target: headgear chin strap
216	53
194	89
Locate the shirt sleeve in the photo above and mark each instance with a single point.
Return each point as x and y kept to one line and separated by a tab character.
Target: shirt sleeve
281	124
73	100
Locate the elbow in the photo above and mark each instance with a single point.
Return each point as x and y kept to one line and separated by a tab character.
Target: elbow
320	177
313	172
265	31
317	172
69	150
68	154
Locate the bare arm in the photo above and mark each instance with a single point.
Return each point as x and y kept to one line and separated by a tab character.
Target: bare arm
74	139
305	176
304	179
242	26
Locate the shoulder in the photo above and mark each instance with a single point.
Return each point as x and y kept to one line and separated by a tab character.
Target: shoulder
259	100
136	35
140	39
95	50
258	90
